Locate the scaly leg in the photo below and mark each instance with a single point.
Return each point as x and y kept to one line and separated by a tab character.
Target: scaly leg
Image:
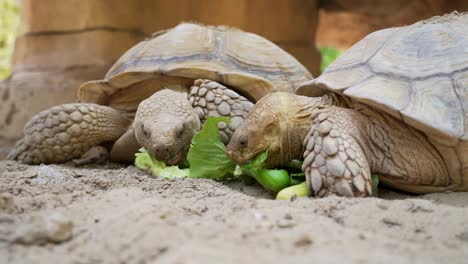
66	132
210	98
333	160
344	146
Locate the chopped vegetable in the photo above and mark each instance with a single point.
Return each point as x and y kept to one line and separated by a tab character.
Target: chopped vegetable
295	191
207	159
273	180
206	156
296	178
145	161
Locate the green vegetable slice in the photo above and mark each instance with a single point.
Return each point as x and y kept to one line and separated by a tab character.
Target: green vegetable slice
206	156
273	180
295	191
145	161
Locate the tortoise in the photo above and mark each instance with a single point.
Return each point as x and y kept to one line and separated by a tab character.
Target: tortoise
158	94
394	104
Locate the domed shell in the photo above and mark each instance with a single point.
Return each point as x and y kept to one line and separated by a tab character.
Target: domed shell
245	62
418	74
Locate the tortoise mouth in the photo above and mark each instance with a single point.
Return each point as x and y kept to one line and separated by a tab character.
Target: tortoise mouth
240	156
174	160
177	158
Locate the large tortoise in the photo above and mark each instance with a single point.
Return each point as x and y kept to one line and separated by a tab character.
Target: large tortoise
173	81
394	104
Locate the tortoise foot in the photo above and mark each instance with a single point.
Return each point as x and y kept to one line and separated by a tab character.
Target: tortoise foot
334	162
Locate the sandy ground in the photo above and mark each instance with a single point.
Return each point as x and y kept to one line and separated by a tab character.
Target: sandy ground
115	214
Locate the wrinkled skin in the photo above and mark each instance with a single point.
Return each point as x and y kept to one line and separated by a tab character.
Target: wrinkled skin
165	124
278	122
252	138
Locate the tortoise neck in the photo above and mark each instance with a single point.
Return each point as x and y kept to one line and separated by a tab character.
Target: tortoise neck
299	120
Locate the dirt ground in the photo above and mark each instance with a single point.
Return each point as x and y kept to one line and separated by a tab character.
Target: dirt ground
115	214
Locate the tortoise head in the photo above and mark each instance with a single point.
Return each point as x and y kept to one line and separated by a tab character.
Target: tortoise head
165	124
278	122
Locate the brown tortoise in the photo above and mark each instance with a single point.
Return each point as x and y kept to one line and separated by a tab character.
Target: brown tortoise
394	104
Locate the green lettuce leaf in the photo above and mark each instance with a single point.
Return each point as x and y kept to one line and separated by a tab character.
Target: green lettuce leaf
146	162
257	164
206	156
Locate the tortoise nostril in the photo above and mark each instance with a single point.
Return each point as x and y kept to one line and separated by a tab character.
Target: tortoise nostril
243	142
162	150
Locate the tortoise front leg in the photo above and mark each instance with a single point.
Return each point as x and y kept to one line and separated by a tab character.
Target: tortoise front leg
125	147
66	132
334	161
210	98
96	155
344	146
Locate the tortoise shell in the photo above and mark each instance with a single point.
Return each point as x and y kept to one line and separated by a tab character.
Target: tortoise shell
245	62
418	74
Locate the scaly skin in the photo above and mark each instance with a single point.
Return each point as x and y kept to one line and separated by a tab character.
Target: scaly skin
210	98
165	124
279	122
344	146
65	132
341	147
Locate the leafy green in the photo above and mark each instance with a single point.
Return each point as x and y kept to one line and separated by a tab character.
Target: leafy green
296	178
145	161
299	190
328	54
207	159
9	20
255	165
207	156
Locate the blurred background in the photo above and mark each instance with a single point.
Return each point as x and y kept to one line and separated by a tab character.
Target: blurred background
49	47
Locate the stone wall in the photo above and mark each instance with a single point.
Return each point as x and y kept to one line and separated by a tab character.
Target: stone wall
65	43
344	22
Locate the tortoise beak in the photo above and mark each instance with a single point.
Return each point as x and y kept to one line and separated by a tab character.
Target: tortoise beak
239	156
235	156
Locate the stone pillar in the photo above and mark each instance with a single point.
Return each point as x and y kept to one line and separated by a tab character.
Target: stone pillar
62	44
